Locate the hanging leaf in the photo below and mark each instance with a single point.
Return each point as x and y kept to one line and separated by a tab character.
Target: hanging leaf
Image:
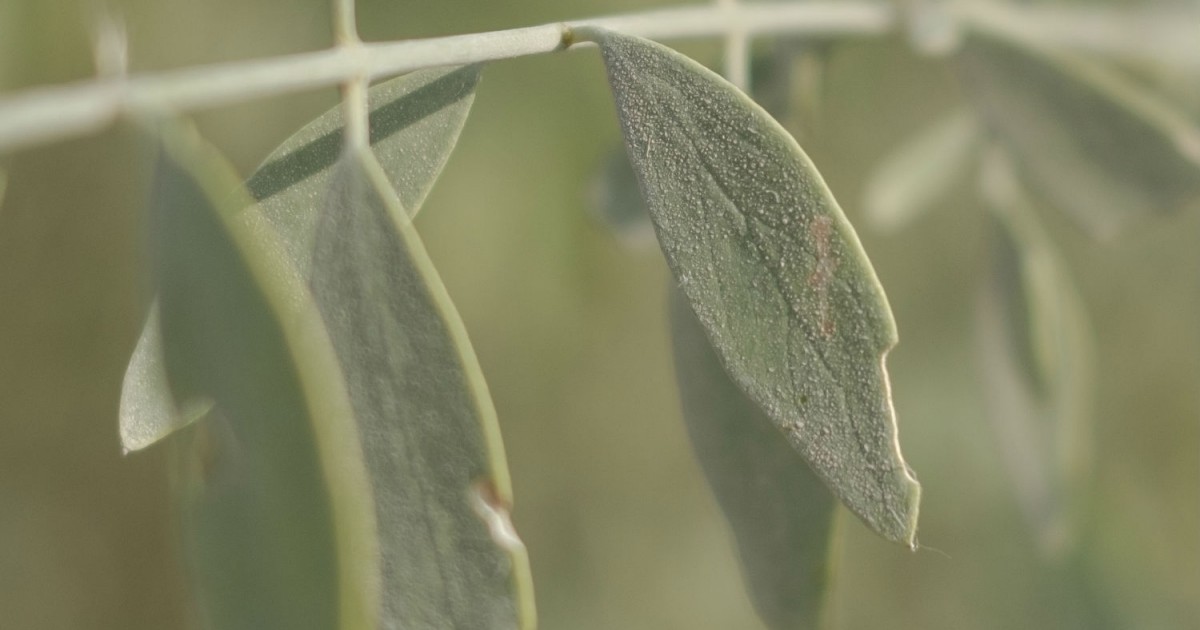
1035	352
772	269
451	558
781	514
415	123
275	501
616	203
921	172
1095	145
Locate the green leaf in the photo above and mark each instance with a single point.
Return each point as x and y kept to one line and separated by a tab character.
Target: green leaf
921	172
1098	147
772	269
616	203
781	514
415	123
1035	353
276	509
451	558
786	82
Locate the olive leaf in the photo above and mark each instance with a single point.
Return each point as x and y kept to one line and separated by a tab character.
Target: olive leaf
921	171
1035	354
415	123
1096	146
772	269
274	493
413	130
450	556
786	82
781	514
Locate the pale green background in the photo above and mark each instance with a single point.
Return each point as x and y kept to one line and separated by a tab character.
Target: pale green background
570	330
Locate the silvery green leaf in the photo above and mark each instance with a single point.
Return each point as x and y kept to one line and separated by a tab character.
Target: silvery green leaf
772	269
785	82
617	204
415	123
1035	353
274	496
451	558
921	171
1093	144
781	514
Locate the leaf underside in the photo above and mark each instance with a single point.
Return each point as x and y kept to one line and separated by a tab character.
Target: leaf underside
429	431
415	122
1093	144
772	269
781	514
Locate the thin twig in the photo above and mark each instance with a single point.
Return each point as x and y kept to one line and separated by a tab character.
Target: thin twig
354	89
42	115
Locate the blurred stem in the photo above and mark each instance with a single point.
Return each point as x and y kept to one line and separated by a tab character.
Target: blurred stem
354	88
737	50
41	115
1164	34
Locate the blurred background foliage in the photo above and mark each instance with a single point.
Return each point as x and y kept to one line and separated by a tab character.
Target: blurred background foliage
570	329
